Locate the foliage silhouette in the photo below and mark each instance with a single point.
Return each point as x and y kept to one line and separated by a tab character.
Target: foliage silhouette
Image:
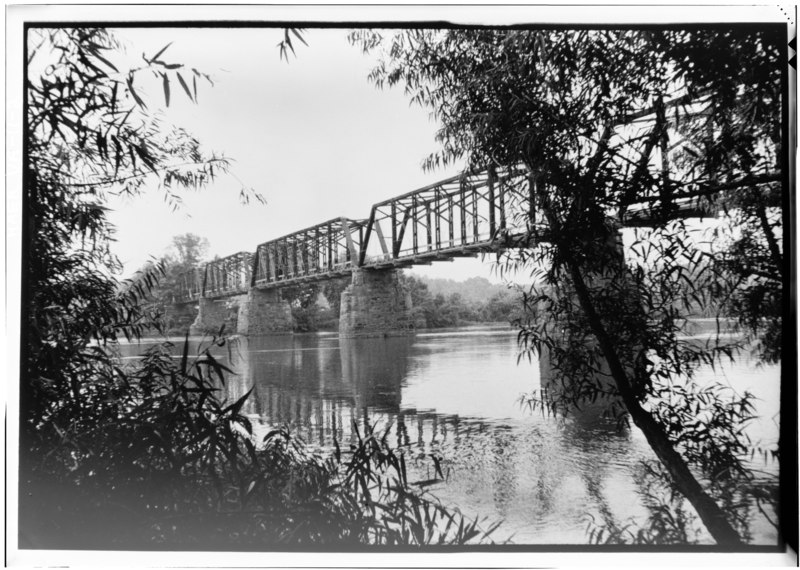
163	462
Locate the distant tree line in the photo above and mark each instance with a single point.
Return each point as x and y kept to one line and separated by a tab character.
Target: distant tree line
436	303
439	303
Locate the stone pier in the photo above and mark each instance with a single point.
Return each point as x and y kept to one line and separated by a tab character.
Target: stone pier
264	312
610	277
212	315
375	304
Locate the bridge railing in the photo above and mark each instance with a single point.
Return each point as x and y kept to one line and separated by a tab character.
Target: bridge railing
321	250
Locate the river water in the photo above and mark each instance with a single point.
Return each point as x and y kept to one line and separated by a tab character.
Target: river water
456	394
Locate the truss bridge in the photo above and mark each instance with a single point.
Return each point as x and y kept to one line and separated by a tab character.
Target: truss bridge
462	216
458	217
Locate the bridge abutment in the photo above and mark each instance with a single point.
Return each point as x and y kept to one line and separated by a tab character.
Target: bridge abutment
375	304
264	312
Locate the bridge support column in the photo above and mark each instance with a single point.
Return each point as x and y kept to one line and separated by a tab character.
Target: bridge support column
264	312
210	317
611	279
375	304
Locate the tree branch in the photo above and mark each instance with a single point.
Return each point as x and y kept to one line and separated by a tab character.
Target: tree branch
775	252
141	174
708	189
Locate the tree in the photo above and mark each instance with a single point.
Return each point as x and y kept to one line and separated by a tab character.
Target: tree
434	311
454	303
88	134
186	254
503	306
190	249
307	315
420	299
615	128
332	290
132	456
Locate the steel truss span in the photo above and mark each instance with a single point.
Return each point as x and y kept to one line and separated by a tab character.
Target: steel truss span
462	216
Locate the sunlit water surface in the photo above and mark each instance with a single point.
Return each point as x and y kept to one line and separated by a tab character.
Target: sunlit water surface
456	393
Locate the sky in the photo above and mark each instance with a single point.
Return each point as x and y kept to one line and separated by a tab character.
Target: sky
312	135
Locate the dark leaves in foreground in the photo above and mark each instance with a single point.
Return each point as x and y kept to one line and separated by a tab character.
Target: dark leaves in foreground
160	445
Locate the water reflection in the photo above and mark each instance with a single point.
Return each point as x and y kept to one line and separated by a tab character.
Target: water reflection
375	368
455	394
319	388
540	475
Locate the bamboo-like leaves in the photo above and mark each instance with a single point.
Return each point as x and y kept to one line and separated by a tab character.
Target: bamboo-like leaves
185	355
165	82
157	55
134	94
286	45
186	88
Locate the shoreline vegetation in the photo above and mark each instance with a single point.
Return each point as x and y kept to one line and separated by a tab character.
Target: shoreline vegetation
178	467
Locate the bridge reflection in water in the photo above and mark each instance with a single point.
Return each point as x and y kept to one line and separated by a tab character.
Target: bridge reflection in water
541	476
321	391
455	394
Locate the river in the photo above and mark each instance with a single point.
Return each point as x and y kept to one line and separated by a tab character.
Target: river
456	393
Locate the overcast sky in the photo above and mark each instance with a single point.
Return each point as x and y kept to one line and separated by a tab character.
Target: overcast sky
313	136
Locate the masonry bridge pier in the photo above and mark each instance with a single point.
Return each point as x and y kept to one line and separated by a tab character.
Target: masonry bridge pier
463	216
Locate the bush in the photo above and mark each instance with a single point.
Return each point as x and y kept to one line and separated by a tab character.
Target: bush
157	460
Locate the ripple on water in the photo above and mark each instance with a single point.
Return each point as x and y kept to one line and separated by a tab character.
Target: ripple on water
456	394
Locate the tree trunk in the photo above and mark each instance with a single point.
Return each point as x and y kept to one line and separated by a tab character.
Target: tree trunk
710	513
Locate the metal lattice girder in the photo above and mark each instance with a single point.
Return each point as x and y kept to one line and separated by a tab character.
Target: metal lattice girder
320	251
461	213
228	276
485	211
